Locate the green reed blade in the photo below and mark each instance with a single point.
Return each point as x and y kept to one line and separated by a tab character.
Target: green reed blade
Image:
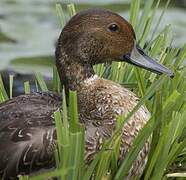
181	57
159	20
61	15
3	93
76	144
73	111
41	82
27	87
71	9
143	19
134	12
103	165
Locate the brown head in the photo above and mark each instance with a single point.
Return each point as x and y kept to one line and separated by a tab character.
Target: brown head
95	36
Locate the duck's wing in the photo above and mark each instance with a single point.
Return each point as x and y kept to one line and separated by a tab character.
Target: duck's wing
27	133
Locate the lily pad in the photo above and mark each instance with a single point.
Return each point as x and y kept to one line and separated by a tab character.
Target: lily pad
38	61
5	38
41	64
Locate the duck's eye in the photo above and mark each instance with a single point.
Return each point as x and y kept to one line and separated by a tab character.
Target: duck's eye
113	27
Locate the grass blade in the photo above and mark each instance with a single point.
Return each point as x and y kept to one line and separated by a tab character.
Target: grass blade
61	15
27	87
41	82
3	94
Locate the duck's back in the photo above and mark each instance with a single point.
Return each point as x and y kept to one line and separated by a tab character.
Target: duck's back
26	133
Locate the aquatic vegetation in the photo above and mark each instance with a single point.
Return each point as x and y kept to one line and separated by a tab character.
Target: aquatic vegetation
5	38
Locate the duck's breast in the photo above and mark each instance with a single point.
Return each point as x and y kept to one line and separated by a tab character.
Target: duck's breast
100	103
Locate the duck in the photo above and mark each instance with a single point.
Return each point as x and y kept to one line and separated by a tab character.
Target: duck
27	127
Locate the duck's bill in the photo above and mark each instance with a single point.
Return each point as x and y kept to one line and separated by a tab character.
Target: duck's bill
139	58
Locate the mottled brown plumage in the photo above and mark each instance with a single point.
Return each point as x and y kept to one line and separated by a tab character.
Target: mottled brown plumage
27	131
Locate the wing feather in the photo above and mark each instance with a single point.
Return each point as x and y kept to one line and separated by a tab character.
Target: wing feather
27	134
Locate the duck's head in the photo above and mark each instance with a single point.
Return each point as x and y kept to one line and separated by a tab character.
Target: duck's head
95	36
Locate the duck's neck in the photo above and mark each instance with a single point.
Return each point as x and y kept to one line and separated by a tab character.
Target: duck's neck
72	73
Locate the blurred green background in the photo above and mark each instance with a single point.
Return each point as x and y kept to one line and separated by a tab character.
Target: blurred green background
29	29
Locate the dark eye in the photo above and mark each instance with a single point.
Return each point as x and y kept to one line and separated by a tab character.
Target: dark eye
113	27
